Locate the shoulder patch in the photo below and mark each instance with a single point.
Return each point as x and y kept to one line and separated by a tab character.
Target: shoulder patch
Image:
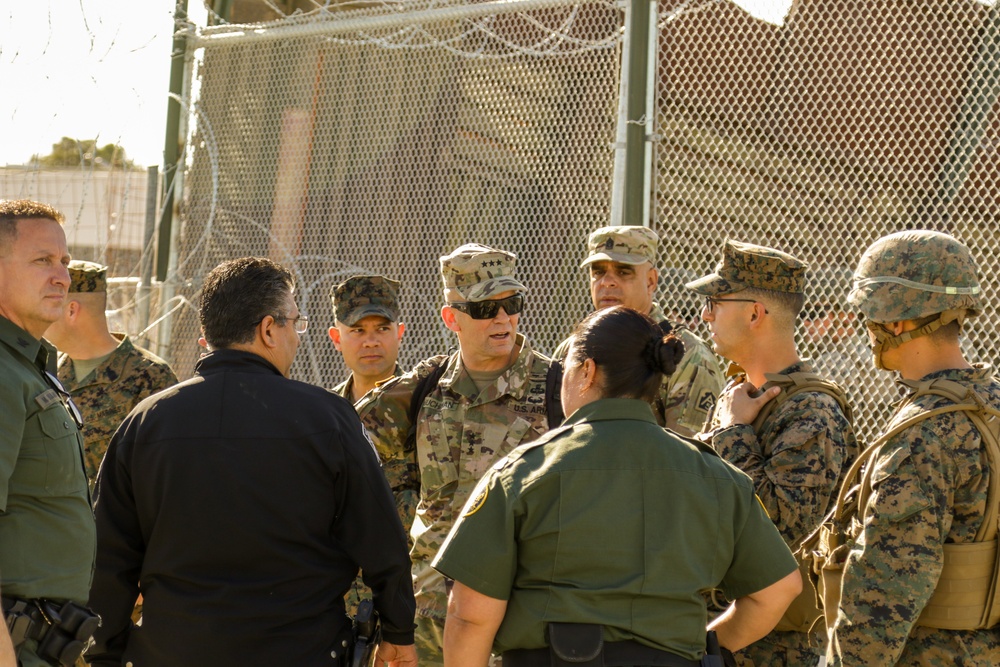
478	501
706	401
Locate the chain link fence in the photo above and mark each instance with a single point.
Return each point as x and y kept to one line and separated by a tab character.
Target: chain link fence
375	137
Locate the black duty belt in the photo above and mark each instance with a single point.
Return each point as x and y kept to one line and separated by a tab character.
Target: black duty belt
613	654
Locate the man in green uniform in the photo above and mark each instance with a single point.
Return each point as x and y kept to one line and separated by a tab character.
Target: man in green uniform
105	372
489	399
47	535
620	263
796	455
367	331
925	503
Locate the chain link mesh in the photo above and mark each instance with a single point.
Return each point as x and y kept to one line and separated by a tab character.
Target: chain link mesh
851	121
340	152
375	137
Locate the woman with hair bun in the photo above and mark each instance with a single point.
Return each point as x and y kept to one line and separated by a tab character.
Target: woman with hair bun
598	539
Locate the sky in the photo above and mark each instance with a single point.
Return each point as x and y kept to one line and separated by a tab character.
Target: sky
87	69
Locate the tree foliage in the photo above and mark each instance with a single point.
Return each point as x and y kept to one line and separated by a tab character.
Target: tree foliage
70	152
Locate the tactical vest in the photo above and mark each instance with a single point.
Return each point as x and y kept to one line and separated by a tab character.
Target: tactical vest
553	403
966	594
802	614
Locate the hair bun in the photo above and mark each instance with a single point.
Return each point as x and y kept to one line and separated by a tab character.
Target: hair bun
663	354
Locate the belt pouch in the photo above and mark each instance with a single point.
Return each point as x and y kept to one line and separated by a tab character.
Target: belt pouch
576	644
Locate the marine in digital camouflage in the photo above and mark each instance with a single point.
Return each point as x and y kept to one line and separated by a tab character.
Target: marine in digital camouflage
930	487
460	433
108	394
797	461
687	397
87	277
746	265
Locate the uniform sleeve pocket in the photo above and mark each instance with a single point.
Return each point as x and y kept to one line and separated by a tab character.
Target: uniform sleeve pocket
898	491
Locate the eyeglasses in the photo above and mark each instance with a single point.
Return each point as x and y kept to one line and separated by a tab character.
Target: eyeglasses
66	398
301	323
710	302
487	310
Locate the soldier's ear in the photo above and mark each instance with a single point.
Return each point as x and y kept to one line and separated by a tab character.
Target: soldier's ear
73	309
399	331
450	321
334	333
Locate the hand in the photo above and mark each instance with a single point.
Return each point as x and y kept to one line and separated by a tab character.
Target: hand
737	406
396	655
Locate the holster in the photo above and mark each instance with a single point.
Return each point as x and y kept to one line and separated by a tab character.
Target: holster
63	630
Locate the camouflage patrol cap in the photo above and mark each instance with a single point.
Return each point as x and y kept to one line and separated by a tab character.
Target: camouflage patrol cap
627	244
478	272
87	277
746	265
361	296
913	274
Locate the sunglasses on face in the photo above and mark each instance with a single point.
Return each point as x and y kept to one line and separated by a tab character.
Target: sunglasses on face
487	310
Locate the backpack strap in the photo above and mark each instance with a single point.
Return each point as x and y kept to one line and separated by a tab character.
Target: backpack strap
553	394
796	383
423	389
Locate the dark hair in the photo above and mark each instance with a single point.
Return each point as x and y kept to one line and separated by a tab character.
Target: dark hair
13	210
237	295
630	350
790	303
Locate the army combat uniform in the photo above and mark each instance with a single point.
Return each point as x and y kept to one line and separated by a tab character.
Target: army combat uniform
460	433
109	393
346	388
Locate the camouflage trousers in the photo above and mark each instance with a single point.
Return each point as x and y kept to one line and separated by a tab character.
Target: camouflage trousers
429	638
791	649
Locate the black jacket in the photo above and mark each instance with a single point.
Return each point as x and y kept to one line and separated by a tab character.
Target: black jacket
241	504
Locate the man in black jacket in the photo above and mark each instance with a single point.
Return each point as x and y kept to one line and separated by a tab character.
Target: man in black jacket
241	504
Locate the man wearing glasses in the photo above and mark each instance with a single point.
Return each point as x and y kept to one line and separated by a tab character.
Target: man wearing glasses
776	420
241	504
46	525
621	266
486	399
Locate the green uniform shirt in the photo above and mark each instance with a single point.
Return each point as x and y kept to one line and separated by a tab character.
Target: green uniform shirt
47	534
612	520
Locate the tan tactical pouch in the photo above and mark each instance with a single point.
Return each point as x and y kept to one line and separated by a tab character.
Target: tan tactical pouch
966	594
802	615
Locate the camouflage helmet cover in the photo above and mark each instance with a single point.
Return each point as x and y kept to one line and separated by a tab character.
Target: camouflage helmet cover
913	274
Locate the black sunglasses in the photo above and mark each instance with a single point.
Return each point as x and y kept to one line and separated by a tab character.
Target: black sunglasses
66	399
487	310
